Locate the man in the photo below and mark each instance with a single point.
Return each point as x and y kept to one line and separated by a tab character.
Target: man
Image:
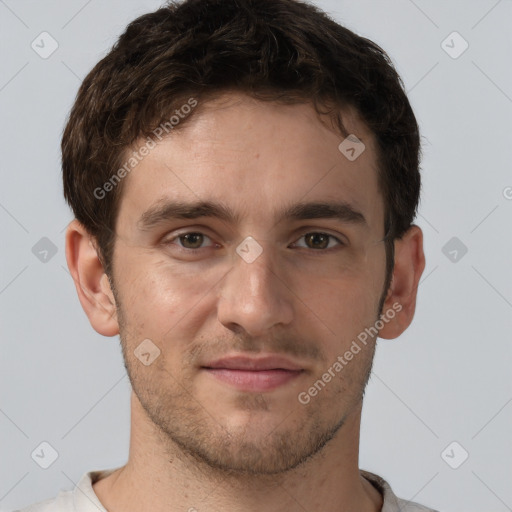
244	176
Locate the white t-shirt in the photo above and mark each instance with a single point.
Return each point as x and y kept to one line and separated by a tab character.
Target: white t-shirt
83	498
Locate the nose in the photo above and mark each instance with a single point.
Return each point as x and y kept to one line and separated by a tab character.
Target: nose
255	296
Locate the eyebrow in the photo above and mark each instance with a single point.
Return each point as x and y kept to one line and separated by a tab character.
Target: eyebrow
166	210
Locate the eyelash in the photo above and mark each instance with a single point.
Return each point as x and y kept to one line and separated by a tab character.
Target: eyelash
187	250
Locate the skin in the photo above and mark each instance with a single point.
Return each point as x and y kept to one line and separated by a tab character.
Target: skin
198	443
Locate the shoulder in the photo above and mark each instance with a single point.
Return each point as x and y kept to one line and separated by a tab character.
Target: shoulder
391	503
62	503
411	506
80	499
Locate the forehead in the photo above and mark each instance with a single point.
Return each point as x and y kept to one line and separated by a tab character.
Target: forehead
256	157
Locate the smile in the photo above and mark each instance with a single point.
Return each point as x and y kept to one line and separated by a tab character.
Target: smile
254	380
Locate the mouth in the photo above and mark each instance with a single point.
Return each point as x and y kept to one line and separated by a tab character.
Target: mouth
254	374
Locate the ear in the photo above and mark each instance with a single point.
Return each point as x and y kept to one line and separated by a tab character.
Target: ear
401	296
91	282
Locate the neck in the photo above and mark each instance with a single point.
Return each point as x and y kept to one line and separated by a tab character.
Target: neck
160	476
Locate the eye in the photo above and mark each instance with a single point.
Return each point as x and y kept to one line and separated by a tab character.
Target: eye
318	240
189	241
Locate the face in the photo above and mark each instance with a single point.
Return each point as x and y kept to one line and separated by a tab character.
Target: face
245	326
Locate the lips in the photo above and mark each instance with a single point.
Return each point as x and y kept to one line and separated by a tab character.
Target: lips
254	364
254	374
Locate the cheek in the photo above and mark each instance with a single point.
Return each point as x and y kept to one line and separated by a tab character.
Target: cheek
348	297
343	306
340	310
160	297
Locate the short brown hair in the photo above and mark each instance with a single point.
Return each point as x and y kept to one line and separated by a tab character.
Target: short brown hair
285	51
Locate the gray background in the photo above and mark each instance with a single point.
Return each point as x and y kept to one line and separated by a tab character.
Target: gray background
446	379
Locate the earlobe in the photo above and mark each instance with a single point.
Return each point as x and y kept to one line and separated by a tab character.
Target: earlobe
401	297
91	282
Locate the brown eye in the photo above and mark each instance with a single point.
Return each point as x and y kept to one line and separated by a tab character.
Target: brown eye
318	240
192	240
